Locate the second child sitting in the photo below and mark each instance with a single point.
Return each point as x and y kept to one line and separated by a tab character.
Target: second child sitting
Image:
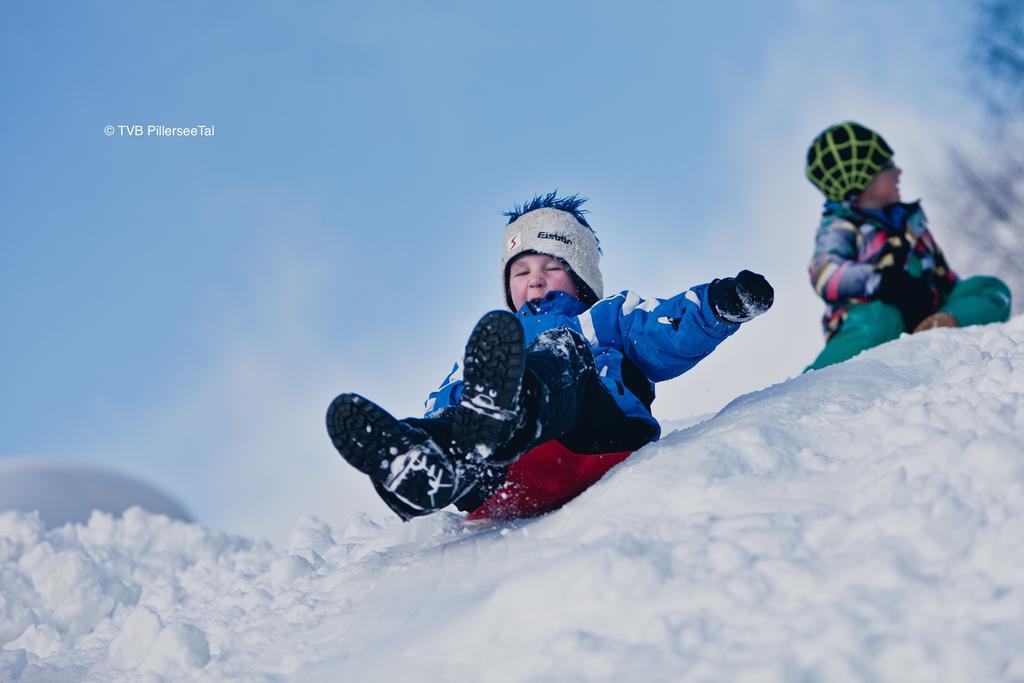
875	264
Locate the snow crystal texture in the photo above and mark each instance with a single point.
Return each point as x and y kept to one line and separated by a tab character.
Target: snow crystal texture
860	523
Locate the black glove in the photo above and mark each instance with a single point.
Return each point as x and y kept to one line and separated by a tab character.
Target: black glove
741	298
913	296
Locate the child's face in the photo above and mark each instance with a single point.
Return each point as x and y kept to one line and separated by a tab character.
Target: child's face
531	276
883	190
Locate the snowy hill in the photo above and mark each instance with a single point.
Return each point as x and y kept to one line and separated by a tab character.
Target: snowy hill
67	492
861	523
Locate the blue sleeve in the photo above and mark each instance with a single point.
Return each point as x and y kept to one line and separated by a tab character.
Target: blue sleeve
663	337
447	394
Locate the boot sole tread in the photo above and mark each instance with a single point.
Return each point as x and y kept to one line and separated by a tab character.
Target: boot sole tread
494	360
362	431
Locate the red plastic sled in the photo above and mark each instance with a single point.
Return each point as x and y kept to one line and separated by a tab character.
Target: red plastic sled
544	479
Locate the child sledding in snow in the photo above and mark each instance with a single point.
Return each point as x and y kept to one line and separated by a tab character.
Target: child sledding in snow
875	263
551	396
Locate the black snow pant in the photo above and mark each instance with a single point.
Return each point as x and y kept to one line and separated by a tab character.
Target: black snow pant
563	398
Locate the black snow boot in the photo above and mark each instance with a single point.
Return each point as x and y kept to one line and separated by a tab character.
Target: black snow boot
410	472
490	410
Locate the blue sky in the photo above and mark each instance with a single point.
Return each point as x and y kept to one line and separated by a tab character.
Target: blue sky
183	309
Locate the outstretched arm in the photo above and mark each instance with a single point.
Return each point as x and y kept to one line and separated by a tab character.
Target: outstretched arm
666	337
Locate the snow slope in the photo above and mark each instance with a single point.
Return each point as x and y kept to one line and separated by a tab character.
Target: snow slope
862	523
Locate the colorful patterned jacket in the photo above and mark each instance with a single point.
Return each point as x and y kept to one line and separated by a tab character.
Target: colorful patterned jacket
853	245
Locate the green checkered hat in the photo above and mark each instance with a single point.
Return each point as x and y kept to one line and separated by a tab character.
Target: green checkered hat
845	158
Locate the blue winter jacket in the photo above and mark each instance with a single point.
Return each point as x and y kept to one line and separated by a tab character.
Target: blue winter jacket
663	338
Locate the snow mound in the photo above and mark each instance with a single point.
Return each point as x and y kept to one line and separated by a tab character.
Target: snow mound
860	523
65	492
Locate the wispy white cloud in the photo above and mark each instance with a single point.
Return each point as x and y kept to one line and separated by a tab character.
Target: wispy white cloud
245	447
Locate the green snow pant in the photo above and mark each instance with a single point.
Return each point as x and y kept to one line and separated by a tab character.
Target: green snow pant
975	301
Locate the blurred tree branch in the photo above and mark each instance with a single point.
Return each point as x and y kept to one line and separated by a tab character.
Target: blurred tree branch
997	52
986	200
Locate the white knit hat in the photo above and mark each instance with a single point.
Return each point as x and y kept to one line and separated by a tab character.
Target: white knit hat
556	233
